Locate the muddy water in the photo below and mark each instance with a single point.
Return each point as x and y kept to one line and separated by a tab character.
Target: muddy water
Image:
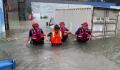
99	54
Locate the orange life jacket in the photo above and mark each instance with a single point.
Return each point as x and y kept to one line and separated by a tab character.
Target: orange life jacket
56	38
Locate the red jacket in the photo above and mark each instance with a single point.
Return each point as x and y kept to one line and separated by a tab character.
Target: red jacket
36	34
83	32
63	29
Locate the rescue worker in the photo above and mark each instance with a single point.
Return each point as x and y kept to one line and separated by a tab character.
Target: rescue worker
36	35
56	36
83	33
65	31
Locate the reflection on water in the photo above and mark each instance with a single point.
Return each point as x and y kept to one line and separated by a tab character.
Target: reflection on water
4	54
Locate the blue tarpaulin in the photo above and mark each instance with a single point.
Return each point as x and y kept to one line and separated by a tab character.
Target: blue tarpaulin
99	4
2	25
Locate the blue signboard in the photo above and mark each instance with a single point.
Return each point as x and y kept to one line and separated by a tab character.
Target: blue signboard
2	25
99	4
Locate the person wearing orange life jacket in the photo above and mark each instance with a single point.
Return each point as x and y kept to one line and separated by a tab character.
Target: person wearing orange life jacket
36	35
65	31
56	36
83	33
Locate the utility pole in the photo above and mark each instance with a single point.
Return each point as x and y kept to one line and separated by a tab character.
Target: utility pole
5	5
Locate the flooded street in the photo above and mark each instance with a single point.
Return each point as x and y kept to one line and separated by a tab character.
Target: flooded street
100	16
99	54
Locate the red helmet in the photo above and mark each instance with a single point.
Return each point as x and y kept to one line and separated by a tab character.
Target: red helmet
62	23
35	24
85	24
